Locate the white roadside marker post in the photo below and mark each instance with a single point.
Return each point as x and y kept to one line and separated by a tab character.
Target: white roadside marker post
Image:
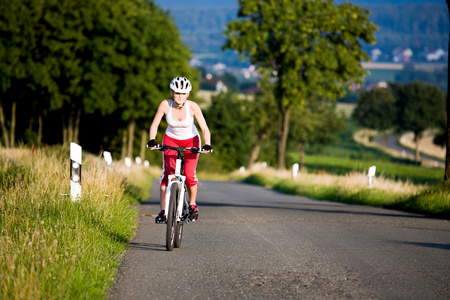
138	160
371	174
128	162
75	171
295	168
108	158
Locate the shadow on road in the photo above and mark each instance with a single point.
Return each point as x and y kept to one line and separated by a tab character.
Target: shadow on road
146	246
345	208
426	245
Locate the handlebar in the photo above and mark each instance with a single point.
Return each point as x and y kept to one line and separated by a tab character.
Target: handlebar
178	149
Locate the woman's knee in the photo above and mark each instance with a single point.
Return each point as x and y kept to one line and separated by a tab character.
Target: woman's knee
191	181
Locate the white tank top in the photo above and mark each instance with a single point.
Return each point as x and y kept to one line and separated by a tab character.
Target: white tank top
181	130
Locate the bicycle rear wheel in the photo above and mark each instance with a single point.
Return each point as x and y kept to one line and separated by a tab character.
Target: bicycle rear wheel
171	218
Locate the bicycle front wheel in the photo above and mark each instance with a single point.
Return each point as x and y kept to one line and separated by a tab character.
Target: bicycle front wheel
171	218
179	226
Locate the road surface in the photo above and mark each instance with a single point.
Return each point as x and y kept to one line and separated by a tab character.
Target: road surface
392	143
254	243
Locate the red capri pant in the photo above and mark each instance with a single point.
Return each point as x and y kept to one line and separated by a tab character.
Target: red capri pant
190	159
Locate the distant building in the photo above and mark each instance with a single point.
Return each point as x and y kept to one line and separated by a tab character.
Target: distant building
436	55
402	54
380	85
221	87
375	54
212	84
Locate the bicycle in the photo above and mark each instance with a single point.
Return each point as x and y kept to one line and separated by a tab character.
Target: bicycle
177	198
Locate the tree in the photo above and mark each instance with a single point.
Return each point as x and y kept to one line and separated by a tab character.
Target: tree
309	47
376	109
262	122
80	58
59	58
228	121
153	60
421	106
315	123
17	23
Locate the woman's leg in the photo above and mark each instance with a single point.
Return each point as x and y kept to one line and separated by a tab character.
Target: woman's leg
162	196
192	191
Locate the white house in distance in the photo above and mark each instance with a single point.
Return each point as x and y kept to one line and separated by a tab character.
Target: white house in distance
436	54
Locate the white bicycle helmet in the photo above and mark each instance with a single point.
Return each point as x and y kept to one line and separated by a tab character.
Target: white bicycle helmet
180	85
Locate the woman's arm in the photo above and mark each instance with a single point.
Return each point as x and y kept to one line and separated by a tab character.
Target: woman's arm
162	109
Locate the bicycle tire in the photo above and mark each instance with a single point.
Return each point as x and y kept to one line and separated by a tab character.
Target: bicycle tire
171	218
178	234
179	227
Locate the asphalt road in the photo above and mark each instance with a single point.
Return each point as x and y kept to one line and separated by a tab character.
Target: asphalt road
392	143
254	243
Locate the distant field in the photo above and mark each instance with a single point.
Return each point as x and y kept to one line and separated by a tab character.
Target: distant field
377	75
346	108
401	66
388	71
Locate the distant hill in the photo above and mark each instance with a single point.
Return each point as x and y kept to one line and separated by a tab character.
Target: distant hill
417	24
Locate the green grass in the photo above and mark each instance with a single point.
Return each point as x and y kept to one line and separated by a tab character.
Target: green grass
51	247
389	169
432	201
367	196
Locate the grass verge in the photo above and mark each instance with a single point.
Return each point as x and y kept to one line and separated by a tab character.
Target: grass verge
393	170
51	247
353	188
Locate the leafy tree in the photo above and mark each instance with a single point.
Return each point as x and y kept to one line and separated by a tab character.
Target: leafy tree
80	58
315	123
262	122
228	121
153	61
376	109
17	22
57	58
421	106
61	42
310	47
230	81
440	138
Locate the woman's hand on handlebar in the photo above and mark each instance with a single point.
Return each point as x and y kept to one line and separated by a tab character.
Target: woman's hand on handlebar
152	144
207	148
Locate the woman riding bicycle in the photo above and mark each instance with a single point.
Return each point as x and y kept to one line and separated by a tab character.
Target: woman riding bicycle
181	132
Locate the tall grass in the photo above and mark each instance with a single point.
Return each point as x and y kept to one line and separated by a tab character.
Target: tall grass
353	188
387	169
51	247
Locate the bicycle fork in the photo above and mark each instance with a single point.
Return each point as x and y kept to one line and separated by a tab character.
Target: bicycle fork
179	179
